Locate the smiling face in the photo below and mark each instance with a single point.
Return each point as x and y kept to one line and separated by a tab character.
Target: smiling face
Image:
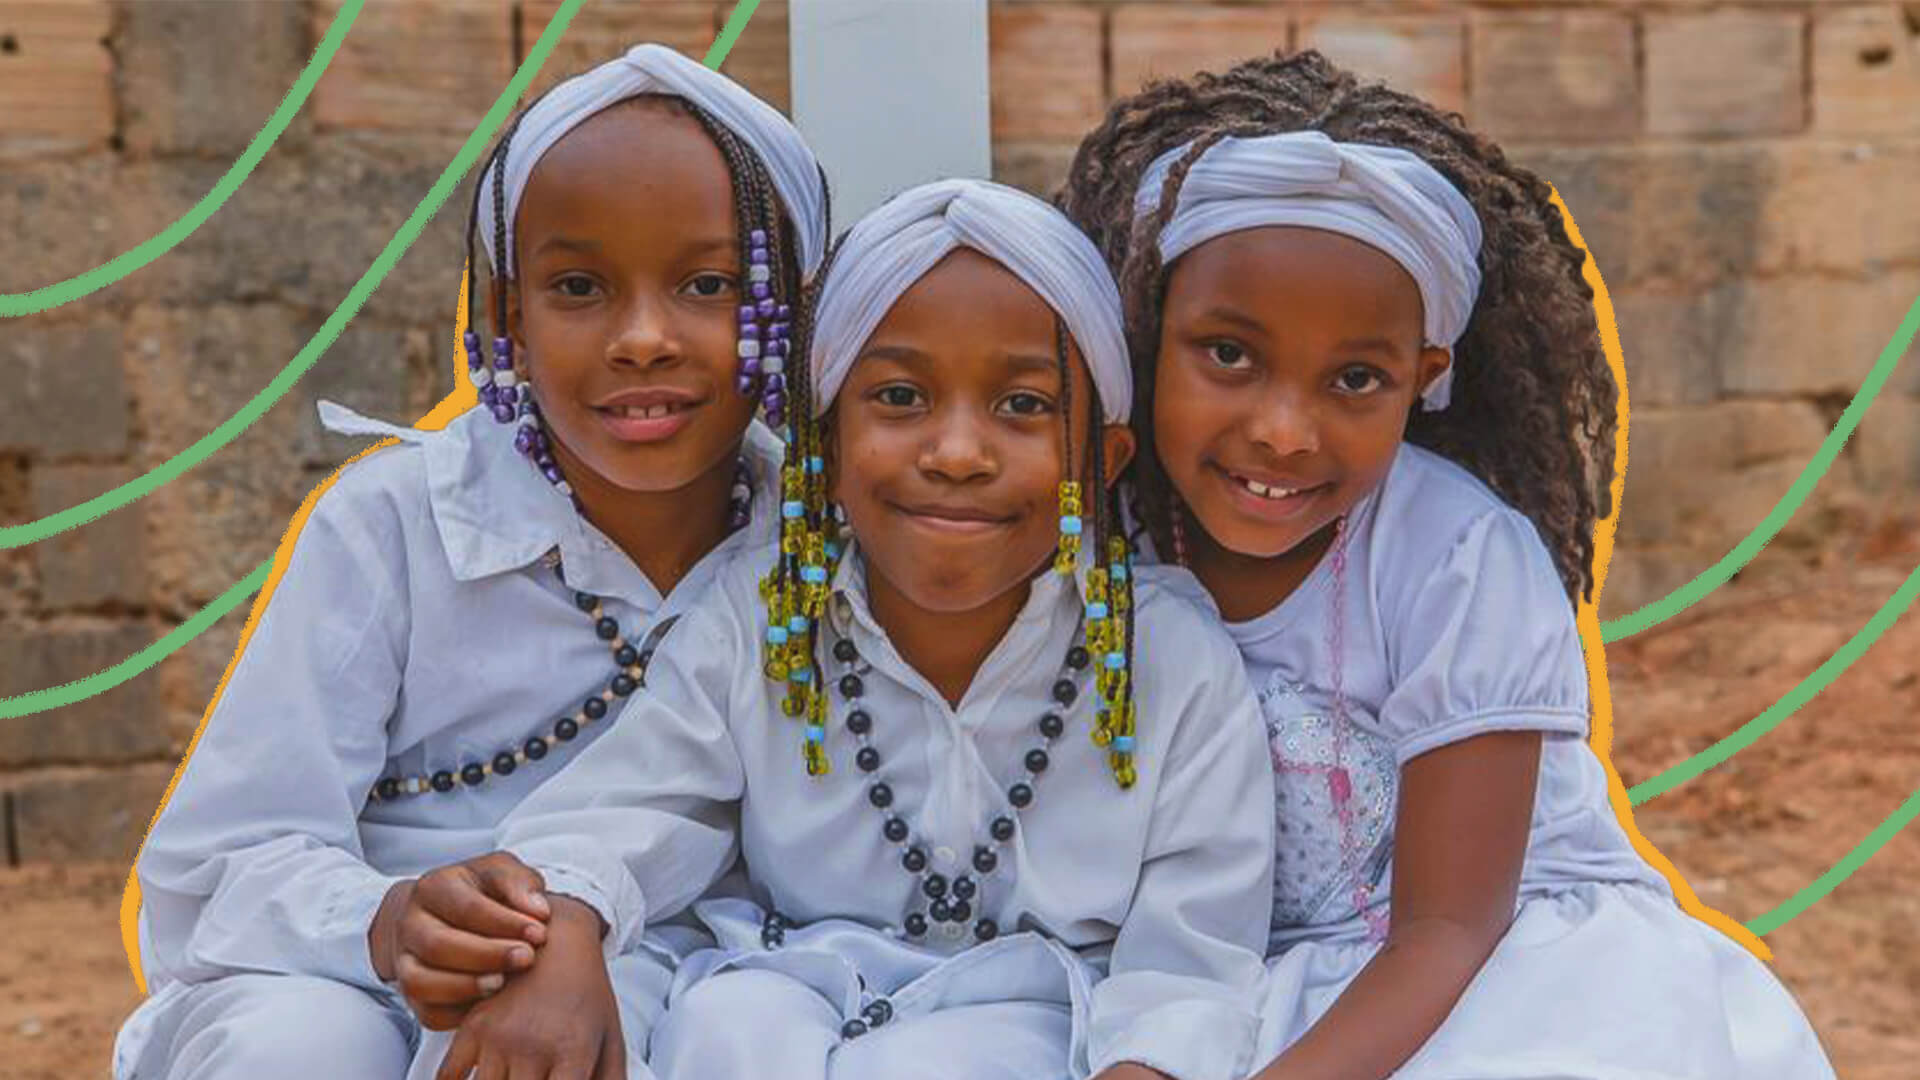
1289	361
625	299
948	441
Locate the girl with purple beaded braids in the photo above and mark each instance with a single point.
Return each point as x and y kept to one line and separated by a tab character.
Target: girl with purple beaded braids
464	610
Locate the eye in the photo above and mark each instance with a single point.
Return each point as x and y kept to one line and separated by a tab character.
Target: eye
1026	403
1228	355
1360	379
575	286
897	396
708	285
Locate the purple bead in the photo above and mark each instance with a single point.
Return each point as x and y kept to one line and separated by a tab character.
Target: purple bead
783	313
761	291
523	440
748	312
758	238
507	395
766	307
551	472
750	367
778	330
777	347
503	413
488	394
744	384
776	384
758	256
539	441
474	362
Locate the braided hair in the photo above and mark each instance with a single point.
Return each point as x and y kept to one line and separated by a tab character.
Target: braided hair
1534	402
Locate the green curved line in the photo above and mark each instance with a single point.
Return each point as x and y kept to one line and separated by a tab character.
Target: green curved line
730	33
35	701
1719	573
51	296
1841	871
1810	686
17	535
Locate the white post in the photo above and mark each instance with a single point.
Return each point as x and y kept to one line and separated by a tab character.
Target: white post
891	93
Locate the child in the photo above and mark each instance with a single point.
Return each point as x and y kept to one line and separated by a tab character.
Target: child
924	741
463	612
1372	386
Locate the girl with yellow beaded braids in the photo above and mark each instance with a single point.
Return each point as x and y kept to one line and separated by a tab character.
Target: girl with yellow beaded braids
1002	800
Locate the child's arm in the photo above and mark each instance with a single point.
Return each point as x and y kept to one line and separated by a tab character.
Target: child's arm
1178	1001
1459	845
256	865
450	939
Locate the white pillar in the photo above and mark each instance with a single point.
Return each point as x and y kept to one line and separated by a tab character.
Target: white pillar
891	93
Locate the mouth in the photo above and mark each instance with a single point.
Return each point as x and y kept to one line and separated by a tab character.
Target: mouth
1271	498
952	520
646	416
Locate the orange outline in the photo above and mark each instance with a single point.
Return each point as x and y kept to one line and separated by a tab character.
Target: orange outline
1603	531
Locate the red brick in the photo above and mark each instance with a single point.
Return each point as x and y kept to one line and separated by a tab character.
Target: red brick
118	725
1725	73
1866	71
1691	471
1886	448
87	816
415	65
604	29
56	76
1045	71
1038	168
1422	55
1566	76
99	562
203	76
1174	40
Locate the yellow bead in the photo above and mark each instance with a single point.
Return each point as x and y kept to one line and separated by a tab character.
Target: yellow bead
1126	775
1102	734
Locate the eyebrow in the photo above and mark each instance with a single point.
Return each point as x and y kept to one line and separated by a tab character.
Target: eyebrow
1367	344
565	243
1237	318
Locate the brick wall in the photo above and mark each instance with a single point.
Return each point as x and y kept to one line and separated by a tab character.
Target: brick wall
1746	174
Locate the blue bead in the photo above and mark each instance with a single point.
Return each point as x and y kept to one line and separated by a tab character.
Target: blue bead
798	624
816	464
833	551
816	734
1096	610
813	575
776	635
1118	571
1070	525
793	508
1116	661
1123	744
802	675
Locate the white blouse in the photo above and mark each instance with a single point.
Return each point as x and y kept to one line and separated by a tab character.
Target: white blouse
1164	887
417	627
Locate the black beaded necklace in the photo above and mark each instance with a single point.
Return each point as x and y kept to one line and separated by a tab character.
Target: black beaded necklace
630	674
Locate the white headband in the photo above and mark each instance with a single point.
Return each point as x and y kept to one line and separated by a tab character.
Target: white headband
896	245
656	69
1384	197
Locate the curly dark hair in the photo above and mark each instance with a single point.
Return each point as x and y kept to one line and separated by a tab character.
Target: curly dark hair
1533	409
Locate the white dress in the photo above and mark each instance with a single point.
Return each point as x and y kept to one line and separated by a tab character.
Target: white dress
418	627
1130	922
1455	624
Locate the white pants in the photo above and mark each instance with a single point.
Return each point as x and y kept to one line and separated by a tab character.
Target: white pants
245	1027
750	1024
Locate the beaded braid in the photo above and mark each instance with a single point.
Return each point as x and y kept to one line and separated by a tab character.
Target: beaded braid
1108	588
1534	401
795	590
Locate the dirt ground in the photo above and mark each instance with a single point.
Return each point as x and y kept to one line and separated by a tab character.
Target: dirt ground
1747	836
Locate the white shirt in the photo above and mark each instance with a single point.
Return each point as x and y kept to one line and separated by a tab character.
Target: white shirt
1167	884
416	628
1455	624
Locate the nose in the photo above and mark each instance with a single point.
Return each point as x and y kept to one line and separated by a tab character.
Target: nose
646	336
1283	422
958	449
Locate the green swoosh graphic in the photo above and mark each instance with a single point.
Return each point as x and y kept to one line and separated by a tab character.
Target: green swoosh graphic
1810	686
17	535
35	701
1719	573
52	296
1841	871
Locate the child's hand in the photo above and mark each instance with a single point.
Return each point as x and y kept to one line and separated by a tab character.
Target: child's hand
558	1021
451	938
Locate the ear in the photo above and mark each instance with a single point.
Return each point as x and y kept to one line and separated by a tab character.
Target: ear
1433	362
514	317
1117	445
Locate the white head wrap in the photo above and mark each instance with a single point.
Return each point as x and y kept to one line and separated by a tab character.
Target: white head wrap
1384	197
656	69
896	245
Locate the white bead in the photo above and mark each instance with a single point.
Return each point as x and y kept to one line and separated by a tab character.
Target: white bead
478	376
944	854
749	348
773	365
505	378
759	272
